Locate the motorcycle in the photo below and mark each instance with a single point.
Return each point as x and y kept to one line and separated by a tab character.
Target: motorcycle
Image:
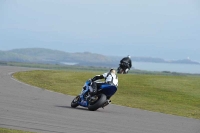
122	69
100	100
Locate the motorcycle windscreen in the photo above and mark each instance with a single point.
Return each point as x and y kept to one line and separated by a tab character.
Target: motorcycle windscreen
108	90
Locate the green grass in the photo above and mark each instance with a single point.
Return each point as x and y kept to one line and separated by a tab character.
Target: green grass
177	95
4	130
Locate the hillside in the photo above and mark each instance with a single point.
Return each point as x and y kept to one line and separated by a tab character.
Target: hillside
41	55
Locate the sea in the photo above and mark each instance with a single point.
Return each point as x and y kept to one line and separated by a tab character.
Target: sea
159	67
172	67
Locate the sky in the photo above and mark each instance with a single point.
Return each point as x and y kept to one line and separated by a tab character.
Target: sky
168	29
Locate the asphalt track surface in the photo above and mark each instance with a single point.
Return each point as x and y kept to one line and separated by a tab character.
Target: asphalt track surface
34	109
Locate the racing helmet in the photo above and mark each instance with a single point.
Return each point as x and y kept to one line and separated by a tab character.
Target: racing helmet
111	69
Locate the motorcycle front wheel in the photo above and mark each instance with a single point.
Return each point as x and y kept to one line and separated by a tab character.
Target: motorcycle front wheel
74	102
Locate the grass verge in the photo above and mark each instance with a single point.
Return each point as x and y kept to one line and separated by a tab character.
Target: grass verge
176	95
4	130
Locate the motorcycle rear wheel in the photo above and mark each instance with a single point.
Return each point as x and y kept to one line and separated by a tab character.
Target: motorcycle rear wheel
97	104
120	70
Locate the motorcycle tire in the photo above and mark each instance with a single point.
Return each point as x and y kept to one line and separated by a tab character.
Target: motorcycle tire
99	103
74	102
120	71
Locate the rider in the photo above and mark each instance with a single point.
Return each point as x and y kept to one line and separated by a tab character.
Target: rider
126	63
110	78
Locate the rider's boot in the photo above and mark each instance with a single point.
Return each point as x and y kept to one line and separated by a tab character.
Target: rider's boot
126	71
91	97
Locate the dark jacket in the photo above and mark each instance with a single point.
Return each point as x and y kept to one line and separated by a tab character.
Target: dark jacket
127	61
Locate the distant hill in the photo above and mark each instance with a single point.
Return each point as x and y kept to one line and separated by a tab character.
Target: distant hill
41	55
